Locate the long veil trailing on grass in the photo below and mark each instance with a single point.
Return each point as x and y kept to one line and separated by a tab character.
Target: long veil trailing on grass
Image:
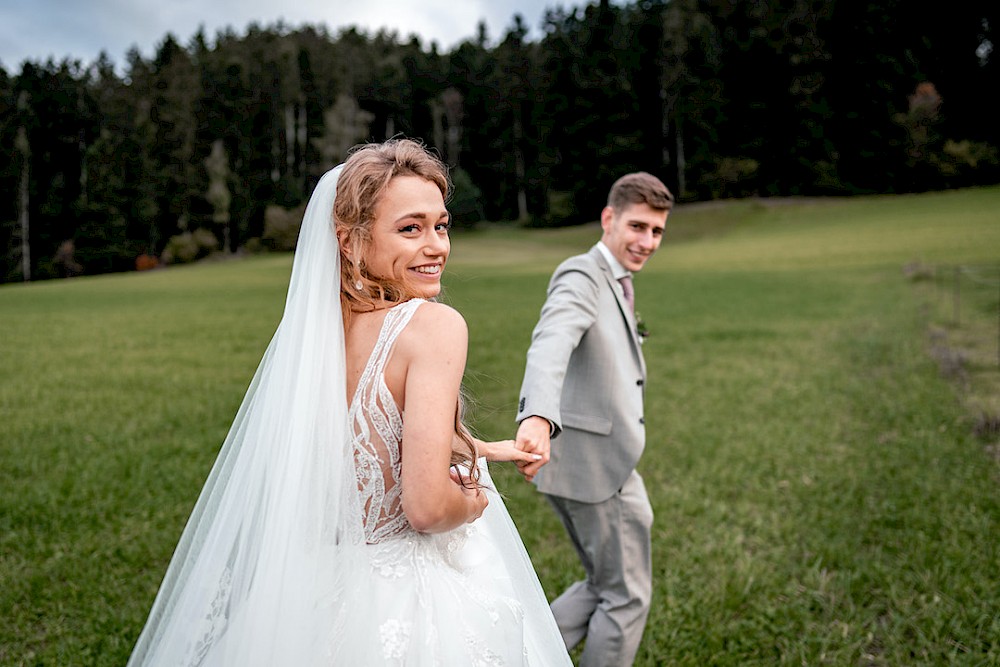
245	579
271	568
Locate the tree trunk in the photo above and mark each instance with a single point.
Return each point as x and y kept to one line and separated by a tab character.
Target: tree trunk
437	121
681	180
668	106
24	149
454	114
522	195
23	217
289	147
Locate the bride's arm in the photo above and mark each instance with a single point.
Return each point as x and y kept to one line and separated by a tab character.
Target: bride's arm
497	450
433	348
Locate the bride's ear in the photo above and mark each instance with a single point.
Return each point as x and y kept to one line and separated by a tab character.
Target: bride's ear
344	243
350	253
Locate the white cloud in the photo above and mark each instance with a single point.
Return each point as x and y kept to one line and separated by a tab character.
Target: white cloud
38	29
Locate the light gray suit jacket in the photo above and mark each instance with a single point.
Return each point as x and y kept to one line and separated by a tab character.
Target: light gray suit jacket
585	373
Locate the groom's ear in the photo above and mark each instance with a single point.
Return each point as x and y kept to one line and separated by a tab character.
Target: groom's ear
607	217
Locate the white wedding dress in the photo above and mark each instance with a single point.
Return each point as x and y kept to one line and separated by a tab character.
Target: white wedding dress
297	552
439	599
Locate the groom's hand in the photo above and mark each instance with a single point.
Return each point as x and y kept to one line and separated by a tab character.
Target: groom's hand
533	436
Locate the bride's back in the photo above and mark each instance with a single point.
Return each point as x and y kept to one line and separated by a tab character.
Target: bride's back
375	417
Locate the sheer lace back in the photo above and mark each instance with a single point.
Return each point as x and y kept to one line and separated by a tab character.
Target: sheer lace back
377	432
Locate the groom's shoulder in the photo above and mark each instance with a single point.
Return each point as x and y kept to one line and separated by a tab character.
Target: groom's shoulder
585	260
587	263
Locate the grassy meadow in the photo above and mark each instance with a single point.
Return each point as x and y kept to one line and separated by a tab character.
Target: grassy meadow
821	496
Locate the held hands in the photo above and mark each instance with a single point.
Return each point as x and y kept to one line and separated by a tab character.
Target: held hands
506	450
533	436
499	450
475	499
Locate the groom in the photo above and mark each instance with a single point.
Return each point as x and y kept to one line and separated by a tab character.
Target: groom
581	409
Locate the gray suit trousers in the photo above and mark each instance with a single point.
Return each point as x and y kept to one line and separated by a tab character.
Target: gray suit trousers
610	606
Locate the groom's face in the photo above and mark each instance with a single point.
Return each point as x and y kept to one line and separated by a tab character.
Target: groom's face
633	233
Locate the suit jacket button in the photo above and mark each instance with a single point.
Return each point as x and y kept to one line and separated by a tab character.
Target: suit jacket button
640	382
642	420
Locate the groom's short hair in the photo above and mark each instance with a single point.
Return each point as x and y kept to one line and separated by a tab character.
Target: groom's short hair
640	188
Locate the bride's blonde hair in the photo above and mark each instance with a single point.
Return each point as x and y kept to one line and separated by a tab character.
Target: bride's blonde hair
362	184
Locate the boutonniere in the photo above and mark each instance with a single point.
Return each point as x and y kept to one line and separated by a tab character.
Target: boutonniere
641	328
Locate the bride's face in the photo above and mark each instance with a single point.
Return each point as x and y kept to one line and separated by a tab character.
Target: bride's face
410	235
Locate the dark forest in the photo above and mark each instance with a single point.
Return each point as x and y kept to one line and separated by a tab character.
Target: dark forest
213	145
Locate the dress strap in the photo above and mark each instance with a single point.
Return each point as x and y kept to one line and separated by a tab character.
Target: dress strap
395	321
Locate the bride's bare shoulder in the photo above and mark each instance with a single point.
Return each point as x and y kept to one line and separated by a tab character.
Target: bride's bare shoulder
433	317
435	326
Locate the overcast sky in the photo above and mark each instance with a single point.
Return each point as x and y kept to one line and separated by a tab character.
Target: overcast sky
81	29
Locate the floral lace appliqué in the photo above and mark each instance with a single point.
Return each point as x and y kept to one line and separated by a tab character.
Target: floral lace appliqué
482	655
215	620
395	637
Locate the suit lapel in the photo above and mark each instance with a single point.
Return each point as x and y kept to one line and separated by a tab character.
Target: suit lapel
627	315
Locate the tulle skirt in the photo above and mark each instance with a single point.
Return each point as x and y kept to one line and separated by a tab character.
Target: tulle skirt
433	600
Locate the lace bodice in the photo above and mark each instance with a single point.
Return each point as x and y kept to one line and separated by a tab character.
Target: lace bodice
377	432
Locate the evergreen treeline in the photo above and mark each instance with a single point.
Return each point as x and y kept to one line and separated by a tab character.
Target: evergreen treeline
213	145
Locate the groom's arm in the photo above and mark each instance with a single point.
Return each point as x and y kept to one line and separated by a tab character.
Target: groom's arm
569	311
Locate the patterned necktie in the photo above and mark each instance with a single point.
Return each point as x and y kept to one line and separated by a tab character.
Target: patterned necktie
626	282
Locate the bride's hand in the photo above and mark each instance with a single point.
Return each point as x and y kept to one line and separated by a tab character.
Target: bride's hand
474	496
505	450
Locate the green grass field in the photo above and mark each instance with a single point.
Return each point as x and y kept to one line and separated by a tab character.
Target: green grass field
820	496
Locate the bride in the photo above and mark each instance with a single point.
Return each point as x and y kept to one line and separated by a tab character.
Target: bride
350	518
